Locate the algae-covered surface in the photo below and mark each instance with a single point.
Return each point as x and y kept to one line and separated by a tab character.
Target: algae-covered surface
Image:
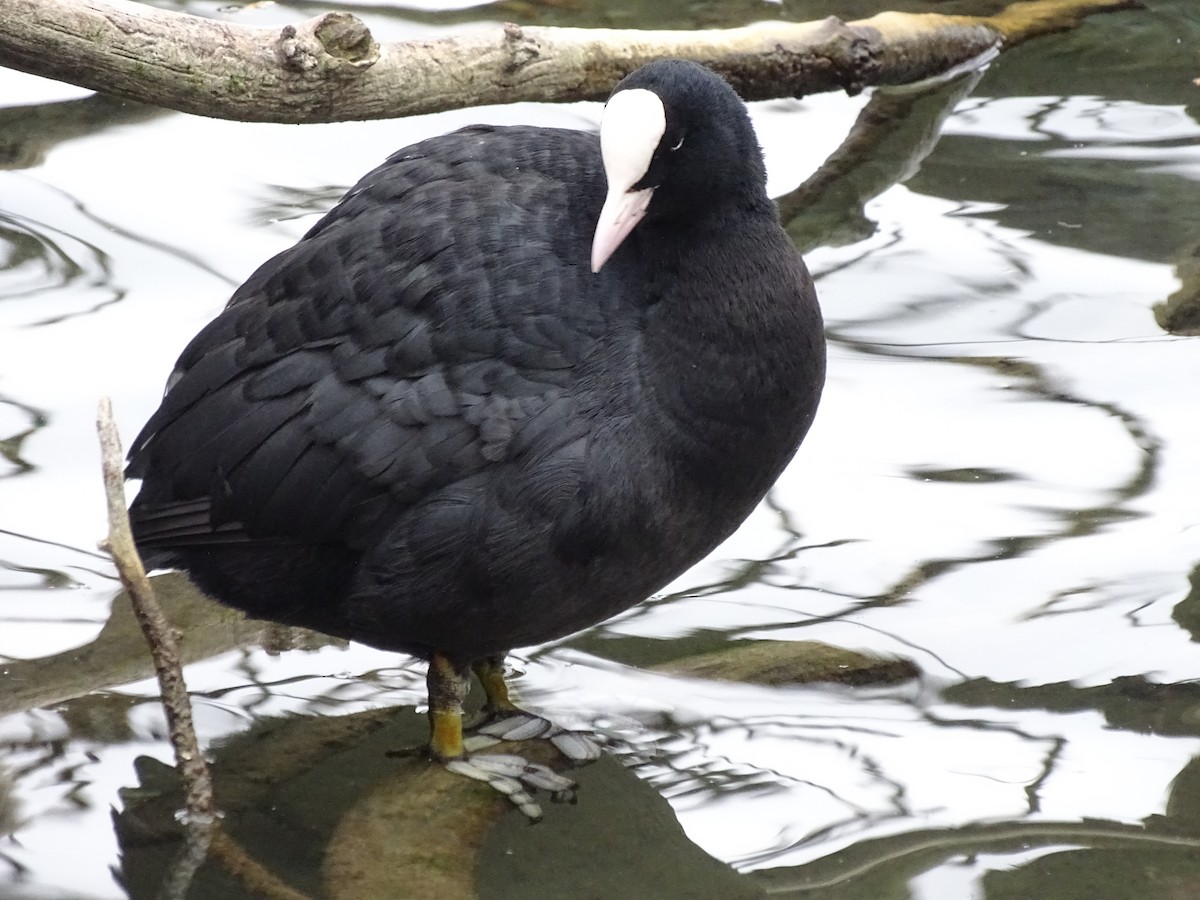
952	655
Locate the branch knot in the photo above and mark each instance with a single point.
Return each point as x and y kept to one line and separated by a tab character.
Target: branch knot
520	49
333	43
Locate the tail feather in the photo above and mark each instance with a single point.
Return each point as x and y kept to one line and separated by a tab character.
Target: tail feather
292	582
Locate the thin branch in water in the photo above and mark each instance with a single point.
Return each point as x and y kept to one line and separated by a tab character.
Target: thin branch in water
164	649
205	837
249	871
198	838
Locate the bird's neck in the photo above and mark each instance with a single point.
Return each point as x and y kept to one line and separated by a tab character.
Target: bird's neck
735	373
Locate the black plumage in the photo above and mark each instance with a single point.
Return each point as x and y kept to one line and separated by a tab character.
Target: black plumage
430	427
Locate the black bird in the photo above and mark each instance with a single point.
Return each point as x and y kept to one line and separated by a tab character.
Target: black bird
516	381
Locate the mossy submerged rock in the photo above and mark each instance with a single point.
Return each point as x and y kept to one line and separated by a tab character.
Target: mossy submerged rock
775	663
1180	312
320	804
621	840
118	654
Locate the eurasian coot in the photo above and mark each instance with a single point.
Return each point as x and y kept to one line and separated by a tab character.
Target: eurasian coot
517	380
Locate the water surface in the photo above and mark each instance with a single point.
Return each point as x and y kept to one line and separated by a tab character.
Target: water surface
1002	485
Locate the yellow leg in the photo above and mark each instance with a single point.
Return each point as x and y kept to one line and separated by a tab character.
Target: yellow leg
448	686
490	672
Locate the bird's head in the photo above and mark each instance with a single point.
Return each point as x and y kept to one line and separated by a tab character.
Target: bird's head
675	140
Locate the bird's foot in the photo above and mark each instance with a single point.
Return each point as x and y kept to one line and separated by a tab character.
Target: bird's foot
515	777
519	725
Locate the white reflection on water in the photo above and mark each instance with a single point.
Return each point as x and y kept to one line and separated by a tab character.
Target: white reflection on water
1093	120
804	772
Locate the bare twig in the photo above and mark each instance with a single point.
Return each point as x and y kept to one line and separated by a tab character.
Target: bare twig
162	638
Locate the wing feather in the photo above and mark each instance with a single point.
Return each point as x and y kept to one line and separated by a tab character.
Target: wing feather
420	333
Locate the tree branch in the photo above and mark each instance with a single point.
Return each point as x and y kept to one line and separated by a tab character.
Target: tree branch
330	68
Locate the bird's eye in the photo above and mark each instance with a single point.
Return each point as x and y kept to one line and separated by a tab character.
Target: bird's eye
677	146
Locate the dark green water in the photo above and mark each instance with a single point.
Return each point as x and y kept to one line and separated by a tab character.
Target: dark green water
1003	485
